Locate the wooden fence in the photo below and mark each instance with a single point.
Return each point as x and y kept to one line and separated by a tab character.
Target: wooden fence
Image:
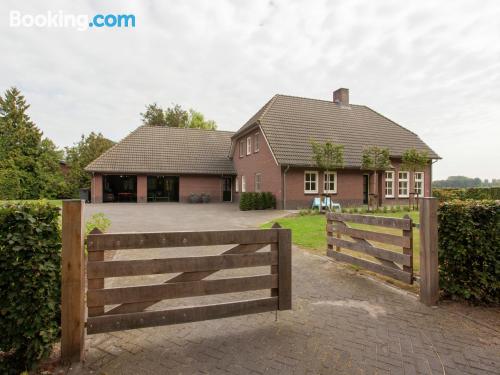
398	265
189	282
390	263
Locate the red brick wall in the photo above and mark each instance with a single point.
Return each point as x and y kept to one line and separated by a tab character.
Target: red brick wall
349	188
257	162
207	184
142	189
96	188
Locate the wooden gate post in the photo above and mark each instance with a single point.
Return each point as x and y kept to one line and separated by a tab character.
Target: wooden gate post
429	272
73	282
284	269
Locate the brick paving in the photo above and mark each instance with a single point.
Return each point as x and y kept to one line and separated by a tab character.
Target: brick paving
341	323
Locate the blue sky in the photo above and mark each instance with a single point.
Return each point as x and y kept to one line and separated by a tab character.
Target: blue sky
433	67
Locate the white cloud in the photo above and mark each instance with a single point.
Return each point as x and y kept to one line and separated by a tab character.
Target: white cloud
432	66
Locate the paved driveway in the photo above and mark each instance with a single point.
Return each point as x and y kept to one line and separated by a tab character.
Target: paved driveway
341	323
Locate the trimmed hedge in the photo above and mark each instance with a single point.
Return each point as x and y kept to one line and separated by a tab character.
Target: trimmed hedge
469	250
446	195
30	274
257	201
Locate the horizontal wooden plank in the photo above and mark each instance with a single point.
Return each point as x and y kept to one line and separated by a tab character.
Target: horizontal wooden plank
132	294
119	322
381	221
183	277
371	250
397	274
369	235
117	241
175	265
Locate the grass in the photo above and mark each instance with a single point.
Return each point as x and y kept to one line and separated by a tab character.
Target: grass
309	232
55	202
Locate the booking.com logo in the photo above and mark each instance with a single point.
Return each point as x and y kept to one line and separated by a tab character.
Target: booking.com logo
60	19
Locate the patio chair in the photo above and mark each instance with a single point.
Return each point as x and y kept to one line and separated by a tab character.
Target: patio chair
316	203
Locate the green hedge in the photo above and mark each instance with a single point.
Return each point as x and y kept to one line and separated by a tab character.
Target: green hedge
30	272
469	250
257	201
446	195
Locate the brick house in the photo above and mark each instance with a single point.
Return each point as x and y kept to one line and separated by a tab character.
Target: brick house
271	152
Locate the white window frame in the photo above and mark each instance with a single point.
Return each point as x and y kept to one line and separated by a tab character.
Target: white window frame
249	145
387	180
420	181
310	191
258	182
242	152
256	142
243	184
236	185
407	180
326	182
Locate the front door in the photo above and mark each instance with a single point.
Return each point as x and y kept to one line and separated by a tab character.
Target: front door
227	195
366	181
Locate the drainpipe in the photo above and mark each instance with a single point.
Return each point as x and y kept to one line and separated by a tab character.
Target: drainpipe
430	177
284	186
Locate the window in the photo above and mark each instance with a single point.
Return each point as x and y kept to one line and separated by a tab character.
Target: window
330	183
258	182
256	143
236	185
249	145
310	182
389	184
403	184
243	184
242	148
419	183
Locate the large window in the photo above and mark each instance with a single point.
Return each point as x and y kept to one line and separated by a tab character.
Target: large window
249	145
330	183
258	182
310	182
389	184
419	183
243	184
256	142
403	184
242	148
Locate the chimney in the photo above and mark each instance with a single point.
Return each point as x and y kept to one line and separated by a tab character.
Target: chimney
341	96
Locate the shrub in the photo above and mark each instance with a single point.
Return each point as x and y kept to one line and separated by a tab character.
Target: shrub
30	272
99	221
447	195
257	201
469	256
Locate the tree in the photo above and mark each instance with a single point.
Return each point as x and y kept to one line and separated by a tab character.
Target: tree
82	154
29	159
375	159
328	156
414	161
176	117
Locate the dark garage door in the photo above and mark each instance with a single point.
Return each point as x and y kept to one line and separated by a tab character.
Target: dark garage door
119	188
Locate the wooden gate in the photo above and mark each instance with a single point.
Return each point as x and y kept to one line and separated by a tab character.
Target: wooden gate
129	303
398	265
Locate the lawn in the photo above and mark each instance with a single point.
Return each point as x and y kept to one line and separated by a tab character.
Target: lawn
309	232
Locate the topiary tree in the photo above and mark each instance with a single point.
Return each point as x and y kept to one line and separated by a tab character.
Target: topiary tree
328	156
414	161
375	159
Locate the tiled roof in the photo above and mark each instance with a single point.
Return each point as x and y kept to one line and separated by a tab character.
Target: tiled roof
158	149
290	124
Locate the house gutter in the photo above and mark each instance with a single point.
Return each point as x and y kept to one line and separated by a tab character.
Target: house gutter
284	186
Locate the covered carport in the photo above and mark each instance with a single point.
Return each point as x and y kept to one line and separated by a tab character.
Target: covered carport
119	188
